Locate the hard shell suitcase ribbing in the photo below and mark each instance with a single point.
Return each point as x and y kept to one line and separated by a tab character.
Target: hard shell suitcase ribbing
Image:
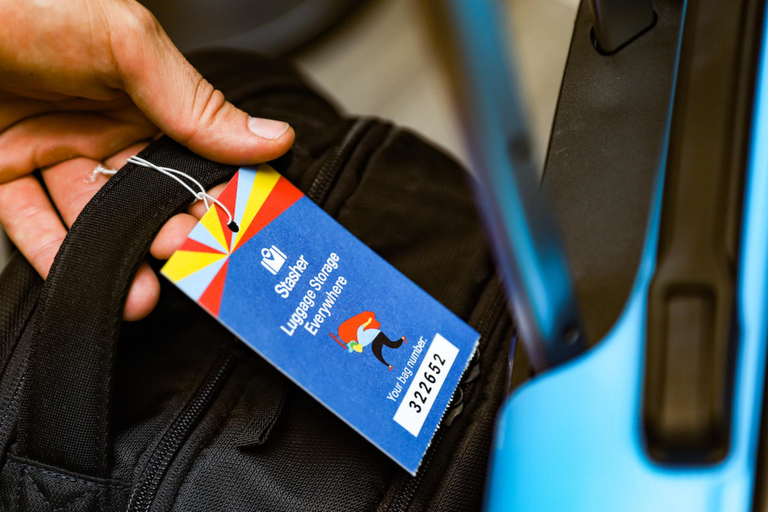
174	413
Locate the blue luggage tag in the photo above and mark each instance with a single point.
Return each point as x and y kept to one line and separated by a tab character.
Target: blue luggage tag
327	311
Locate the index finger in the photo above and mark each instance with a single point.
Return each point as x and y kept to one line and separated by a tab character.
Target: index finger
31	222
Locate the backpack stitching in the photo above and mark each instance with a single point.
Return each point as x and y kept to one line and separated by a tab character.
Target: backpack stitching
61	508
68	478
18	487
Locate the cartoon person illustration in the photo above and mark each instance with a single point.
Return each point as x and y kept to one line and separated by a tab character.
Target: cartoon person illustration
363	330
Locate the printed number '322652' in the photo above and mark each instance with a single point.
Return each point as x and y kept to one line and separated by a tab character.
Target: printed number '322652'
433	370
426	384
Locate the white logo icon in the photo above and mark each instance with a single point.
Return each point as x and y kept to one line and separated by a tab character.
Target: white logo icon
273	259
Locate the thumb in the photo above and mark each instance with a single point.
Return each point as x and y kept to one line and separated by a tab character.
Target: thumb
179	101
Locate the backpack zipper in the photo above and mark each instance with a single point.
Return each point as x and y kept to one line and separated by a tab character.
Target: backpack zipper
145	491
408	493
149	482
333	162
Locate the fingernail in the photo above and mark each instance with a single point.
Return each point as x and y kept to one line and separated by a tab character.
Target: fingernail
267	128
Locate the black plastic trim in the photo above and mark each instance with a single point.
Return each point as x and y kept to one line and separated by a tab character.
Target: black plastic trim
618	22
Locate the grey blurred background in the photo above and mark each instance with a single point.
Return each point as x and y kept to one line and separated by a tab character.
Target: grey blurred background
374	57
380	61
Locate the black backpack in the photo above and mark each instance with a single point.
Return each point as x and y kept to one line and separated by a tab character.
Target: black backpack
173	412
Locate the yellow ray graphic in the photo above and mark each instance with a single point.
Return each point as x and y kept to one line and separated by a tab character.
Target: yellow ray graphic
212	223
184	263
263	183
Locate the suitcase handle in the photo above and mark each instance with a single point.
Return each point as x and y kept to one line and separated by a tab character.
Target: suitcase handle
693	325
66	423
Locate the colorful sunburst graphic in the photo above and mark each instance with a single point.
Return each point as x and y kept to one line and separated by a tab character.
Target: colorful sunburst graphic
255	198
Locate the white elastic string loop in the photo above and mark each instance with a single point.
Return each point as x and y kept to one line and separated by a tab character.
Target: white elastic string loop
200	195
100	169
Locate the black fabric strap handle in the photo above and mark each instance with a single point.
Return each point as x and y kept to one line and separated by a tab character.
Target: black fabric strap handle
66	419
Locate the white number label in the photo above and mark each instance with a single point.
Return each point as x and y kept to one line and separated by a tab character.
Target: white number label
426	384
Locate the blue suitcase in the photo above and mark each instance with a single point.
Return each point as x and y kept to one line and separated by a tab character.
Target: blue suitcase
645	320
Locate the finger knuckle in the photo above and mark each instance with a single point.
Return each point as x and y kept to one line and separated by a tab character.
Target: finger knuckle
133	31
207	102
21	214
141	21
45	249
213	106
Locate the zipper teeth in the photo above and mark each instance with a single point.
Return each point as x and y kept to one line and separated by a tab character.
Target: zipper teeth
335	159
145	491
406	497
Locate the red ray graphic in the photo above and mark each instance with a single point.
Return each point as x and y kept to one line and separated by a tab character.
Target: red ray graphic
211	297
228	198
282	197
195	246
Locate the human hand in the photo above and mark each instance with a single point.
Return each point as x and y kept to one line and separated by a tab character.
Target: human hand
83	82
